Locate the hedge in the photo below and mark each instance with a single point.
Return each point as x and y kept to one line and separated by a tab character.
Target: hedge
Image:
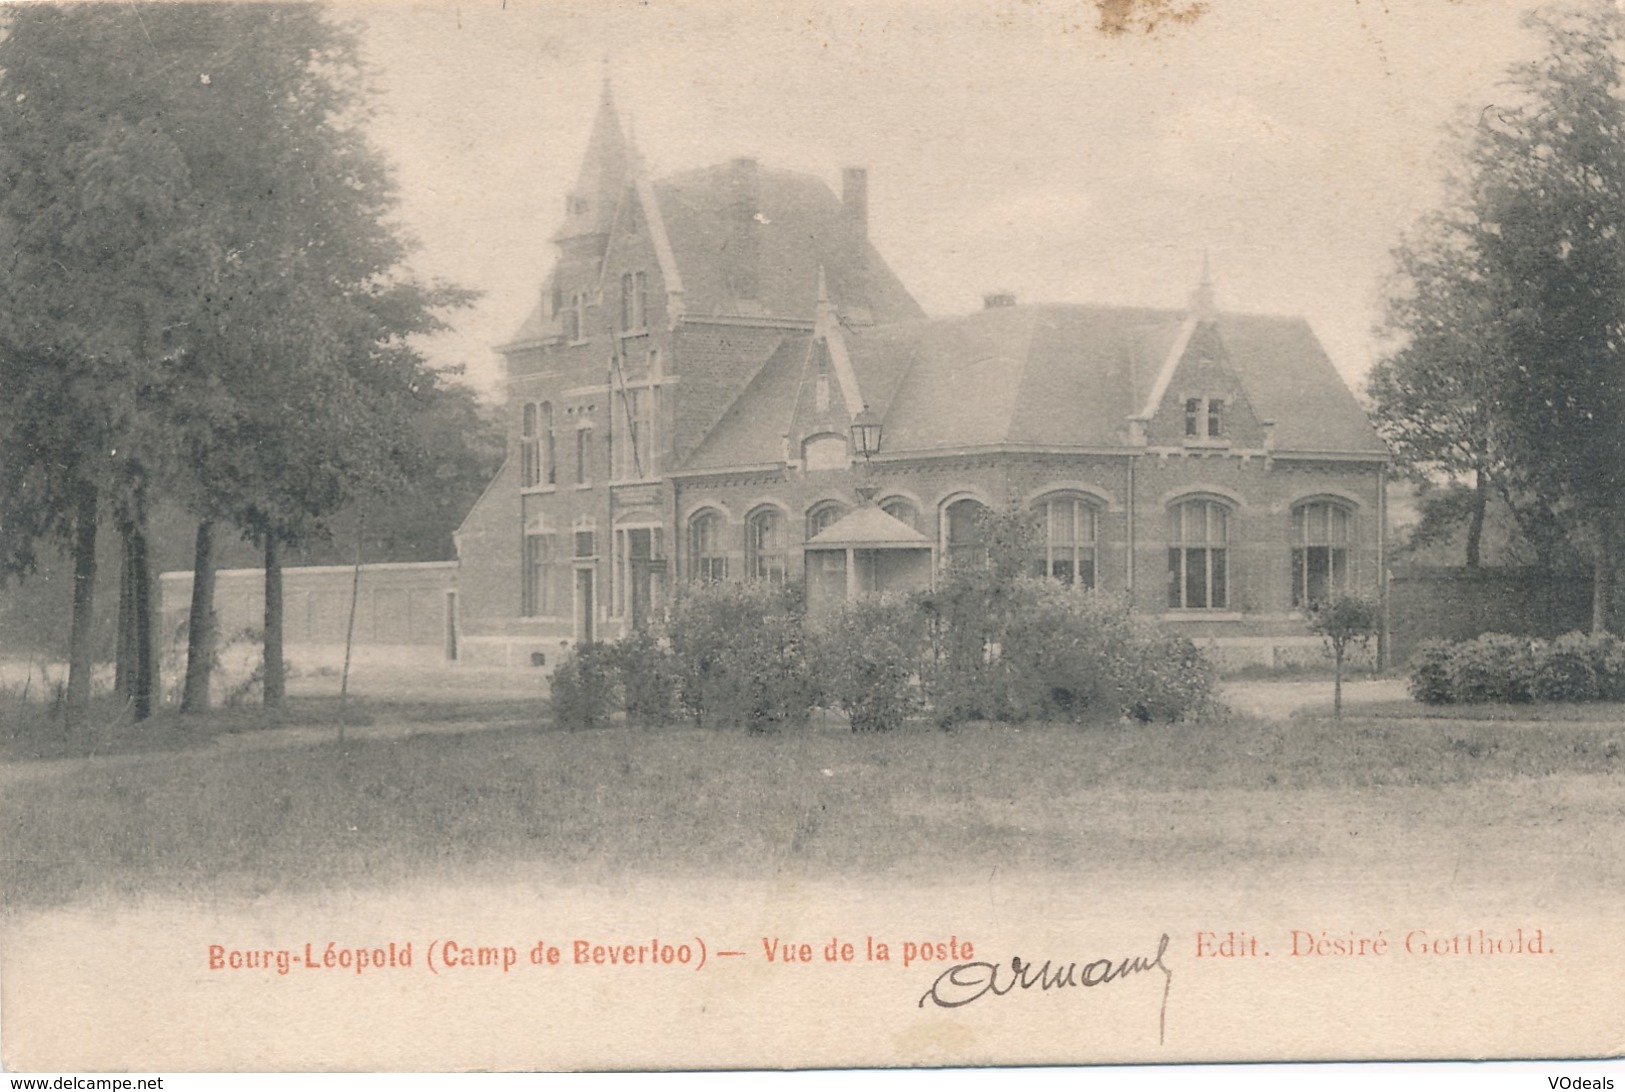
1496	667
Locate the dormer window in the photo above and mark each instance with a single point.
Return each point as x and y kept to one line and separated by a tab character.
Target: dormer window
1204	419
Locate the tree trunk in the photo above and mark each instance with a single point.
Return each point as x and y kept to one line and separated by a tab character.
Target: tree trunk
123	646
142	672
80	661
200	628
1337	683
1475	529
273	686
1602	576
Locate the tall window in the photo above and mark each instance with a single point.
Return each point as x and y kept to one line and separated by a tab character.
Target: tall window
1068	550
708	558
901	510
572	319
634	301
765	545
1198	576
822	516
538	592
530	448
967	543
634	447
1320	552
1193	416
584	455
547	475
1215	418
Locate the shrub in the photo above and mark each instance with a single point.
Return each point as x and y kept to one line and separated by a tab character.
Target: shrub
1031	648
1167	678
1565	669
1608	661
584	691
648	678
1493	667
869	660
1430	673
739	650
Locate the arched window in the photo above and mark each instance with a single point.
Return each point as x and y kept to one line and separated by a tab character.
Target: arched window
530	448
765	545
583	454
1066	551
966	542
902	510
708	557
823	515
1198	565
1320	551
825	452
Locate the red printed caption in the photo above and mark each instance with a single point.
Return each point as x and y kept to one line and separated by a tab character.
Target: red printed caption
456	955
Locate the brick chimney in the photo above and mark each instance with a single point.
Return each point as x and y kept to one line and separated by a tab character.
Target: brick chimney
854	231
744	228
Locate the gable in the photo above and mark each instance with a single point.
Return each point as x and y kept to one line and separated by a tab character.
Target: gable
1200	382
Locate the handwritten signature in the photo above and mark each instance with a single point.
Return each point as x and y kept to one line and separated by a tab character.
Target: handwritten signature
967	982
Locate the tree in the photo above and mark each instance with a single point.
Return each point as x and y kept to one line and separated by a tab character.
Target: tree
1344	620
1510	316
198	218
98	245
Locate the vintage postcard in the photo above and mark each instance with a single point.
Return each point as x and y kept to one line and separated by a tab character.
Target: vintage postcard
707	535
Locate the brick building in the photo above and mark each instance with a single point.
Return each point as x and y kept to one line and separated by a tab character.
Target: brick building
682	402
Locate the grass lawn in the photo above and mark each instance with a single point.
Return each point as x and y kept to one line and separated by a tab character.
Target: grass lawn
1536	800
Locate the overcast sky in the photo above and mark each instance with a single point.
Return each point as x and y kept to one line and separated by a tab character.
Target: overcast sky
1010	145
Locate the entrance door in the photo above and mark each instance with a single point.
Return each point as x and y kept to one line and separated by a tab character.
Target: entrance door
584	605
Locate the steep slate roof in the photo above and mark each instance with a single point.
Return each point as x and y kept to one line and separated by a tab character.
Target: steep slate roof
751	430
797	232
1052	375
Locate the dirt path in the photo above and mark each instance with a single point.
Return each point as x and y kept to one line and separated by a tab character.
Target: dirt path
1278	699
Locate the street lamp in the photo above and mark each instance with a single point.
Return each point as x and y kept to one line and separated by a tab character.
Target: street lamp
866	442
866	433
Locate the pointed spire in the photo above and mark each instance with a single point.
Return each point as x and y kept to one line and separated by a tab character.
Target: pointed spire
823	287
1202	307
603	171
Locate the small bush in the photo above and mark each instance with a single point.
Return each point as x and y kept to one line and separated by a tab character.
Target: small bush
1565	670
739	649
1168	679
584	690
649	681
1607	653
1430	673
869	660
1493	667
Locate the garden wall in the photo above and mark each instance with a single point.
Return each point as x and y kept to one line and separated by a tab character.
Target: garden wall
1456	604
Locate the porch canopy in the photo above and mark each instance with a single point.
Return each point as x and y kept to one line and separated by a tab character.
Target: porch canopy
864	552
